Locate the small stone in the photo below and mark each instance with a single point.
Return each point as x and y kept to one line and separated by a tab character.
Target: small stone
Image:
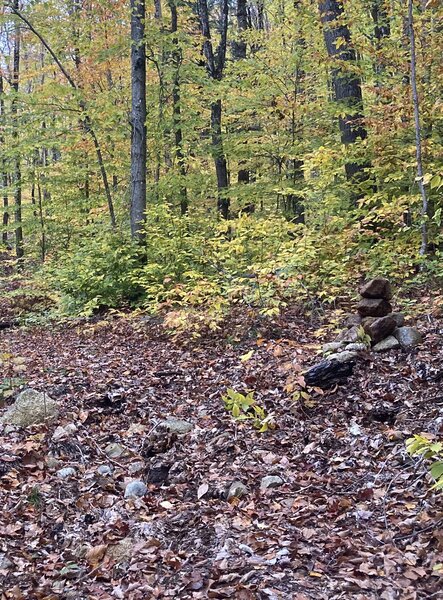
349	336
343	357
389	343
399	318
62	433
178	426
52	463
237	489
374	307
271	481
331	347
30	408
380	328
379	287
5	563
135	489
122	551
136	467
357	347
104	470
66	472
114	450
409	337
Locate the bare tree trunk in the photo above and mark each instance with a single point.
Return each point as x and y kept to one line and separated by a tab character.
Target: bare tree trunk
346	86
176	109
4	173
138	121
239	50
19	251
215	63
418	144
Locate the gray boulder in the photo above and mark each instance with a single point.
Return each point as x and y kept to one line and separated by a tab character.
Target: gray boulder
349	336
409	337
30	408
399	318
389	343
368	307
379	287
356	347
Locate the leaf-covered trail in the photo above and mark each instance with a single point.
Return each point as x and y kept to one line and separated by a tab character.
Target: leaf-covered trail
354	518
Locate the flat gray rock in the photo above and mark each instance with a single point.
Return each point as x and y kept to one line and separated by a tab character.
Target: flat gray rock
331	347
30	408
389	343
409	337
356	347
178	426
271	481
66	472
345	356
114	450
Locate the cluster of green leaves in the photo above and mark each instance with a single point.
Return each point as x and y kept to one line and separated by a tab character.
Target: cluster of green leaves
245	408
420	445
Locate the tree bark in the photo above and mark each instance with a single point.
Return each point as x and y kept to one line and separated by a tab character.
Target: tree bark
18	227
418	136
239	50
4	170
346	85
138	121
215	63
176	109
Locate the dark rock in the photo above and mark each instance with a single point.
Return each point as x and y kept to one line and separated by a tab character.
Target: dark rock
380	328
368	307
409	337
158	474
379	287
327	373
352	320
399	318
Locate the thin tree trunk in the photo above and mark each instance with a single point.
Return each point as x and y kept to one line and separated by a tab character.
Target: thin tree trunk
19	251
4	173
418	144
346	85
138	121
215	63
239	50
176	110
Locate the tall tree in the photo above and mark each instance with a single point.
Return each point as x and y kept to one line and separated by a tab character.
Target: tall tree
138	120
418	135
215	64
4	169
346	84
239	49
18	226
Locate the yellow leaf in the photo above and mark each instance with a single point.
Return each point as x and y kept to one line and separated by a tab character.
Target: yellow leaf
247	356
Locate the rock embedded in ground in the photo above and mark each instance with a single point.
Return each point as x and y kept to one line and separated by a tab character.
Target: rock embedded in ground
178	426
352	320
5	563
135	489
30	408
408	337
343	357
104	470
66	472
349	336
122	551
379	287
331	347
271	481
368	307
62	433
237	489
381	328
389	343
114	450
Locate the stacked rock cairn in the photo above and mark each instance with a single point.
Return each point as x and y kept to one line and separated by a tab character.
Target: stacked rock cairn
374	326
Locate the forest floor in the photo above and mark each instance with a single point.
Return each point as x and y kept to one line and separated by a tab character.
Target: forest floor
355	517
